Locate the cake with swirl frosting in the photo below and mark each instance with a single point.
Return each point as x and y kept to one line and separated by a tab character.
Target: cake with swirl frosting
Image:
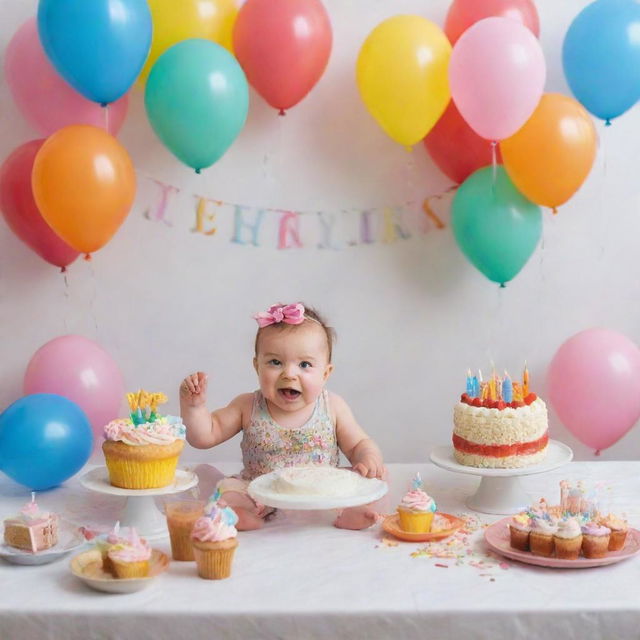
316	480
500	424
142	451
416	509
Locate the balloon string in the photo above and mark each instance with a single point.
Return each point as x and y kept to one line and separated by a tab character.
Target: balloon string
106	117
494	159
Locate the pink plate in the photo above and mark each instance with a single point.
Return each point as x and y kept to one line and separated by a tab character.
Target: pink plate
497	537
391	524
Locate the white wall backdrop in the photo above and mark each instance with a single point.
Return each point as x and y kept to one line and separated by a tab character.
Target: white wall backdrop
411	316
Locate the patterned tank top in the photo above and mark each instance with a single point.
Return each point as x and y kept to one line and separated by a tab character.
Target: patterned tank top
267	446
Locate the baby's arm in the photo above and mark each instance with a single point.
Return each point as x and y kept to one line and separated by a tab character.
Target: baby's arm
361	451
206	429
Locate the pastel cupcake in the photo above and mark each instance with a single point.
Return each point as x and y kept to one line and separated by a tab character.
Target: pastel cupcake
568	539
142	451
541	537
519	530
595	540
214	542
619	528
130	557
416	509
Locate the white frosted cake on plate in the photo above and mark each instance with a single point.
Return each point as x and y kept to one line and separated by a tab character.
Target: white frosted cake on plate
316	481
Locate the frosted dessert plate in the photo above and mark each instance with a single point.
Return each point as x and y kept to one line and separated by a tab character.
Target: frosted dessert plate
365	491
87	566
498	538
69	538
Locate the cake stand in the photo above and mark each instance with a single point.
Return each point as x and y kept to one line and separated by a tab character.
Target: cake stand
140	510
500	490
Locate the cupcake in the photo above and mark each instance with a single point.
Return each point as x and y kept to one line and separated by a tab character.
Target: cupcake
214	542
142	451
519	529
568	539
541	536
106	541
416	509
619	528
595	540
130	557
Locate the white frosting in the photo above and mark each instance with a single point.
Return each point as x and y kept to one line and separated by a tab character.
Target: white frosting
500	426
317	481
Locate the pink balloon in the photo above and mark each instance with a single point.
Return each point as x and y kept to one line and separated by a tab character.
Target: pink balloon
80	370
594	386
41	94
21	212
283	47
497	73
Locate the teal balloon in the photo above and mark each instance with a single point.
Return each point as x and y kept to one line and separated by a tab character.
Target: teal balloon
496	227
197	100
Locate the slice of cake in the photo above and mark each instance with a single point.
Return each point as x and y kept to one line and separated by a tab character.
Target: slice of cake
32	529
500	424
317	481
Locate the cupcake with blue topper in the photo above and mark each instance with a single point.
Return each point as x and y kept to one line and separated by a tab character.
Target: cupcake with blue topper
416	509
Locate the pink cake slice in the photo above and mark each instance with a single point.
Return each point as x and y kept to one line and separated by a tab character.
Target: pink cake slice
32	536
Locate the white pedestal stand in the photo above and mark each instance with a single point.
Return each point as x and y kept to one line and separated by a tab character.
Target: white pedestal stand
500	490
140	509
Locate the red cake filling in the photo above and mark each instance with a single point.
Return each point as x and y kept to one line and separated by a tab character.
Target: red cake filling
501	450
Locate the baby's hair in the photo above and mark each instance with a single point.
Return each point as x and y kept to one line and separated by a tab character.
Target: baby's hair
310	314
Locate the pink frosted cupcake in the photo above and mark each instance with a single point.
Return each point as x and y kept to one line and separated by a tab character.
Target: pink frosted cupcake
416	509
619	528
130	557
519	530
595	540
214	542
568	539
541	536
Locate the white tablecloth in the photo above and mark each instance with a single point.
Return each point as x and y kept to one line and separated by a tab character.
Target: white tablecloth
299	577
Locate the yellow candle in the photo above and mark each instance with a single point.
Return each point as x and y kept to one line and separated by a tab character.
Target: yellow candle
525	382
492	387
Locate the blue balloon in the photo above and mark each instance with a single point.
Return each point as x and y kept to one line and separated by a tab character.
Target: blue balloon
44	439
601	57
98	46
197	98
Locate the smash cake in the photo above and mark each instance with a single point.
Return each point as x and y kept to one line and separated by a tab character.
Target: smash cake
141	451
32	529
499	424
316	481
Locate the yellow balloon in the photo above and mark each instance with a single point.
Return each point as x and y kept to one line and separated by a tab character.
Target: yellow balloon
402	74
177	20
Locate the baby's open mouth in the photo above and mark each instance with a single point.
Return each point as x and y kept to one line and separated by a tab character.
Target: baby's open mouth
289	394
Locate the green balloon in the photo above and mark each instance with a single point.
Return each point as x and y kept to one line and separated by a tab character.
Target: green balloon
496	227
197	100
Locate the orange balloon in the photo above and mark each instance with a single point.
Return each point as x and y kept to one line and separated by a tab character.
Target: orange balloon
84	184
551	155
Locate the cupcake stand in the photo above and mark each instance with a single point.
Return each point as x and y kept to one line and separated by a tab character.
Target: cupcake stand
140	510
500	490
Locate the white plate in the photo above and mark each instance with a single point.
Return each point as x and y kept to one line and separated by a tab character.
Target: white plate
69	538
370	489
87	566
98	480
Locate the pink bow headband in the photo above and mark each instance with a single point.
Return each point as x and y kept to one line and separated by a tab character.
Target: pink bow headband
287	313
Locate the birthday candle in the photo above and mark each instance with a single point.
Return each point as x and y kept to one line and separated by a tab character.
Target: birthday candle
416	482
476	388
507	388
492	387
499	388
469	384
525	381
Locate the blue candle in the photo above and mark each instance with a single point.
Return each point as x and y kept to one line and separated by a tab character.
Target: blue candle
469	384
476	387
507	389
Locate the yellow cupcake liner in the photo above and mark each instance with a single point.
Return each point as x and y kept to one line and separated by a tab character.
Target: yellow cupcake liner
138	569
141	474
414	521
214	564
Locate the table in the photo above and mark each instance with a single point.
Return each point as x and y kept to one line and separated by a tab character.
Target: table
299	577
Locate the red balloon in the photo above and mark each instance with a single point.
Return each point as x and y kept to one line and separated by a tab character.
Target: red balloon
283	47
21	212
456	148
463	13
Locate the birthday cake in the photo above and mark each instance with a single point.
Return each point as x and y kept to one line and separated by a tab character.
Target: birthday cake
499	424
32	529
142	451
316	481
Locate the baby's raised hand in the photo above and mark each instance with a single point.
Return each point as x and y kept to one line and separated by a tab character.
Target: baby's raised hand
193	389
371	467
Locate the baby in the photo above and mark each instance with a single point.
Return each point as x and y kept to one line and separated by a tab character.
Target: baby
291	420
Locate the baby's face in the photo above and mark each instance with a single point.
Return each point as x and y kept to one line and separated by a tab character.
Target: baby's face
292	365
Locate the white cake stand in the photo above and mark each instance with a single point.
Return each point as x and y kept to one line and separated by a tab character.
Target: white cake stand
500	490
140	509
